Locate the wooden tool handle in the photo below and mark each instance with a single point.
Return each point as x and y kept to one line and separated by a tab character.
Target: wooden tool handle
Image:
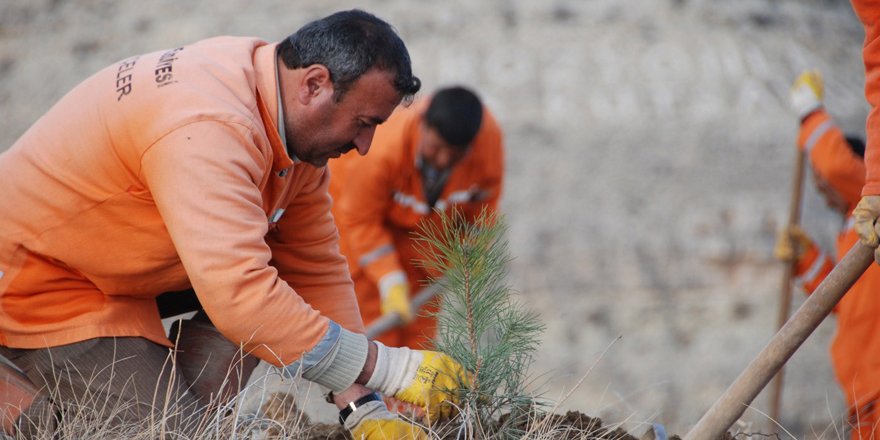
731	405
391	320
794	211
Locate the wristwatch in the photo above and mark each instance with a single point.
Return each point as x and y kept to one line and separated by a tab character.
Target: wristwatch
353	406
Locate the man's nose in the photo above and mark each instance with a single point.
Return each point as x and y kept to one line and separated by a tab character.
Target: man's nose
363	140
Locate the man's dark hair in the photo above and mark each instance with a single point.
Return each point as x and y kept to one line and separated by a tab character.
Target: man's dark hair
349	43
856	144
456	113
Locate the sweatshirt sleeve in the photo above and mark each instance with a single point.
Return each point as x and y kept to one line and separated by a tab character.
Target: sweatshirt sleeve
812	268
493	180
870	17
202	177
305	250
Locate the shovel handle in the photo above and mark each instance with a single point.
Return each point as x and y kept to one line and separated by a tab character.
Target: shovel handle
731	405
794	211
392	320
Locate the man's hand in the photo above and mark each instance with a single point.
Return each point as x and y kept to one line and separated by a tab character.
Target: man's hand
791	243
866	214
396	299
434	384
373	421
807	93
428	379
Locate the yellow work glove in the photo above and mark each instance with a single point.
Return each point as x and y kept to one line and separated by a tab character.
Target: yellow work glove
791	243
807	93
428	379
373	421
394	292
434	386
866	214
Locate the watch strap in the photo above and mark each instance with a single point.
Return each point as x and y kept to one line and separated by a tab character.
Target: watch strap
354	405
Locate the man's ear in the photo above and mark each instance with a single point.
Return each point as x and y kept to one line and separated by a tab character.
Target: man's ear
314	81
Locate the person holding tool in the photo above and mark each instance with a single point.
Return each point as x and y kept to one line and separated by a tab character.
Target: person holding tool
868	209
838	170
201	170
442	153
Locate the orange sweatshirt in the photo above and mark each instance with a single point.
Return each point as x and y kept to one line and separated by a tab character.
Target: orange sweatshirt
161	172
868	12
855	351
379	199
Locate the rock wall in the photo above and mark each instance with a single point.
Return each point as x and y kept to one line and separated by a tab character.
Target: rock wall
650	152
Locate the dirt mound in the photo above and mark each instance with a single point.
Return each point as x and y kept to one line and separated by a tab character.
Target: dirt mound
573	425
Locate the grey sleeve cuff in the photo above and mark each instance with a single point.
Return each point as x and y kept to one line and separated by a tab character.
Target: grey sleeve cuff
335	362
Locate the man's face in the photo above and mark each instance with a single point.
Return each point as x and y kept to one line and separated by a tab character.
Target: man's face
436	152
322	128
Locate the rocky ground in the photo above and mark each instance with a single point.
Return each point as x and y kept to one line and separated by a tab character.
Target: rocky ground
650	149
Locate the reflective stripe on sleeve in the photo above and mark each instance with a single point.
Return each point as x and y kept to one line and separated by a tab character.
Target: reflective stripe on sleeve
460	196
815	135
276	215
375	254
422	208
411	202
814	270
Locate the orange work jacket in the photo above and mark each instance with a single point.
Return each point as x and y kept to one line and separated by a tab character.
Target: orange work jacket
162	172
868	12
855	350
379	200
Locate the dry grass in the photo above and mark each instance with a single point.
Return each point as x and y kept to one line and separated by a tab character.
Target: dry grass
277	415
95	416
100	413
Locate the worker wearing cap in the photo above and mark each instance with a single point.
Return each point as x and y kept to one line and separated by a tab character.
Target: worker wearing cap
838	171
200	170
441	154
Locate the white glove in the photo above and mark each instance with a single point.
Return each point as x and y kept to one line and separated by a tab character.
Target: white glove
807	93
373	421
425	378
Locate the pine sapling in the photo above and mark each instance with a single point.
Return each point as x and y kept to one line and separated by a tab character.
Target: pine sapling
480	326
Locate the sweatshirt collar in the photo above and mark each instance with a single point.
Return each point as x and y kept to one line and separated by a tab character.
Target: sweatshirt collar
268	87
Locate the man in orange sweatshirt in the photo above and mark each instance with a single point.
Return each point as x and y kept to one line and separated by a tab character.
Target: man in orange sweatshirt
201	169
868	208
443	153
839	173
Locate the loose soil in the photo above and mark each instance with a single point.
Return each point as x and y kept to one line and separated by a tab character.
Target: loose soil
573	425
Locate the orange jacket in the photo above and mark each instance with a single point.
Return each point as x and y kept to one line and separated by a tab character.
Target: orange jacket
161	172
855	350
379	200
830	156
868	12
